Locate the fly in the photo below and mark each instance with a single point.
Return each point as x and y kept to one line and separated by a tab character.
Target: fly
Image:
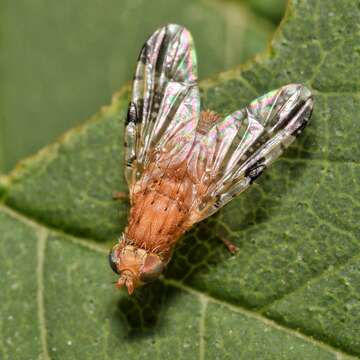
183	164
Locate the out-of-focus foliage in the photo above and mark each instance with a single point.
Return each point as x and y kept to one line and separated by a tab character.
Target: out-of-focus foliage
271	9
61	60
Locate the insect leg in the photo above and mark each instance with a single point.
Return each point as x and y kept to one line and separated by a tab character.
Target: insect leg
231	247
120	196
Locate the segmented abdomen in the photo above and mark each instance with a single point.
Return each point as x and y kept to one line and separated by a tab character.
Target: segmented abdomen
159	214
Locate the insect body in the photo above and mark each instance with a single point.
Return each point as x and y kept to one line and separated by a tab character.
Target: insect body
183	164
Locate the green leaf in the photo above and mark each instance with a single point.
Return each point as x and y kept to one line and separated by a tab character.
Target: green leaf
64	59
293	289
58	302
271	9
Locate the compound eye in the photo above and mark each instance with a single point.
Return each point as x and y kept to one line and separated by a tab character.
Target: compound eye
151	269
113	260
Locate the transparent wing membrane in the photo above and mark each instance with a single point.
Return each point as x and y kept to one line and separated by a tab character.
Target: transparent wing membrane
249	140
165	134
165	106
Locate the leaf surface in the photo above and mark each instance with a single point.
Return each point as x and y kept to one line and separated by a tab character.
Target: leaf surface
293	289
65	59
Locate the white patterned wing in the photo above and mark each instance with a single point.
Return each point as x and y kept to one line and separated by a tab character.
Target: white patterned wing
249	140
165	105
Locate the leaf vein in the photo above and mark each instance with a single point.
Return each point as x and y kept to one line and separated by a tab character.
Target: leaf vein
257	316
93	246
203	303
42	238
328	271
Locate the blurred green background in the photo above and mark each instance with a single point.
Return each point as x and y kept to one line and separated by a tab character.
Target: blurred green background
60	61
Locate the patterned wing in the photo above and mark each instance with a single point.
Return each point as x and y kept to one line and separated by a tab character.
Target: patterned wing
165	105
246	142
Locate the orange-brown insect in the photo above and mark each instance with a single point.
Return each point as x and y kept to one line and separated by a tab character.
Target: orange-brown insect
182	164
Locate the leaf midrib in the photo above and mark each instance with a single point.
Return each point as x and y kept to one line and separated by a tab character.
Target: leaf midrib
42	235
42	232
92	244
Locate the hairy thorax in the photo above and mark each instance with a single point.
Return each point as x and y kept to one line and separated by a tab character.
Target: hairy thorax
160	213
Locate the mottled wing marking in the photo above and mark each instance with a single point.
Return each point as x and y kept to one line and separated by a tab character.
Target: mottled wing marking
165	104
249	140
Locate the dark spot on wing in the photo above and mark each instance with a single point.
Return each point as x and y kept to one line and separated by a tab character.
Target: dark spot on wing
305	118
143	54
255	170
132	115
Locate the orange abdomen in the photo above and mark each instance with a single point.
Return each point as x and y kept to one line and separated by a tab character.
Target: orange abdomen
159	214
